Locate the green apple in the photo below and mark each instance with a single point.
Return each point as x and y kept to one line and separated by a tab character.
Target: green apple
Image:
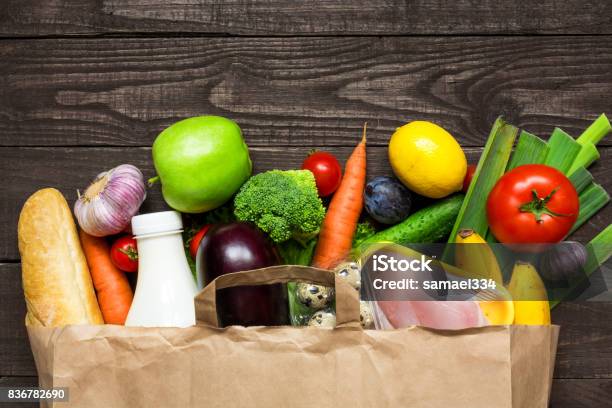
201	162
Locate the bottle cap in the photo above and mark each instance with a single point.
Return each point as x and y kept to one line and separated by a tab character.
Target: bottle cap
156	223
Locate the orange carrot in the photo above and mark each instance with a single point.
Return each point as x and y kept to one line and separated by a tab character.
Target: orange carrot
112	287
340	223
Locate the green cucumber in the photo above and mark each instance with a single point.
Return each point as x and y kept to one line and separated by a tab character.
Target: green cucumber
430	224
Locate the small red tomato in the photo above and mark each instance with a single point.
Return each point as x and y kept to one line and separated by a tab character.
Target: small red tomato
469	175
532	203
327	172
124	254
195	241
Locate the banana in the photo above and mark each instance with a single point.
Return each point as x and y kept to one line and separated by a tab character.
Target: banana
478	261
526	283
497	312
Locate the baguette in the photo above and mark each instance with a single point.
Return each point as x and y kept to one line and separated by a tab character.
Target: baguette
56	281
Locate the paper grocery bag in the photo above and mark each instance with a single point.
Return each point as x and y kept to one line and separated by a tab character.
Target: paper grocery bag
205	366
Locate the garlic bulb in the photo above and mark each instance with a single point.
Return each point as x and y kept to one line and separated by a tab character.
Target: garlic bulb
110	201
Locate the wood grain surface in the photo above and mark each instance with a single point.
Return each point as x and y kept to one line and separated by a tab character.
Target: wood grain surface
579	393
27	381
297	91
88	84
582	393
299	17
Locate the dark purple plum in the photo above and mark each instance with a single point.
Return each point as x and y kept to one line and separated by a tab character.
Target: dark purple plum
387	200
238	247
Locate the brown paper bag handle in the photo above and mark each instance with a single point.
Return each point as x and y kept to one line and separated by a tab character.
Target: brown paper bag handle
347	298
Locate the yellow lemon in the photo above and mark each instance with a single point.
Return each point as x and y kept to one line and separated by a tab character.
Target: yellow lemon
427	159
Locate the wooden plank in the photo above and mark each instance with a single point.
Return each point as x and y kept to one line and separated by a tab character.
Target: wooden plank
15	355
286	17
297	91
69	169
566	393
585	344
580	393
19	382
23	381
585	341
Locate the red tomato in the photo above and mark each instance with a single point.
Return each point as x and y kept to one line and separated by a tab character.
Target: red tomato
533	203
468	177
326	170
124	254
195	241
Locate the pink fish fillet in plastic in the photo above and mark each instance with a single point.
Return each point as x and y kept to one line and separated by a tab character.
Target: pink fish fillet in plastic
444	315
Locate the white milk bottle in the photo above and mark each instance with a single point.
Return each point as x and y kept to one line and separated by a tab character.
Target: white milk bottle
165	288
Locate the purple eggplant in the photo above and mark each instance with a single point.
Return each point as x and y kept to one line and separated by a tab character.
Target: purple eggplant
237	247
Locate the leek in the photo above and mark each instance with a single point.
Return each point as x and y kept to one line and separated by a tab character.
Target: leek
530	149
562	150
587	141
599	251
581	179
594	133
592	199
586	156
491	167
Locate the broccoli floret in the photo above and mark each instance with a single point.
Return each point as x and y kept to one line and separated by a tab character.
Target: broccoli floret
284	204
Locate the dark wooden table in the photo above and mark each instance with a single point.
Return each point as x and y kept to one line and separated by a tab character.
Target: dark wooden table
86	85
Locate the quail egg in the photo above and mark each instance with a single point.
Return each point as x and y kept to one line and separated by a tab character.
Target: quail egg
365	315
323	318
351	272
314	296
